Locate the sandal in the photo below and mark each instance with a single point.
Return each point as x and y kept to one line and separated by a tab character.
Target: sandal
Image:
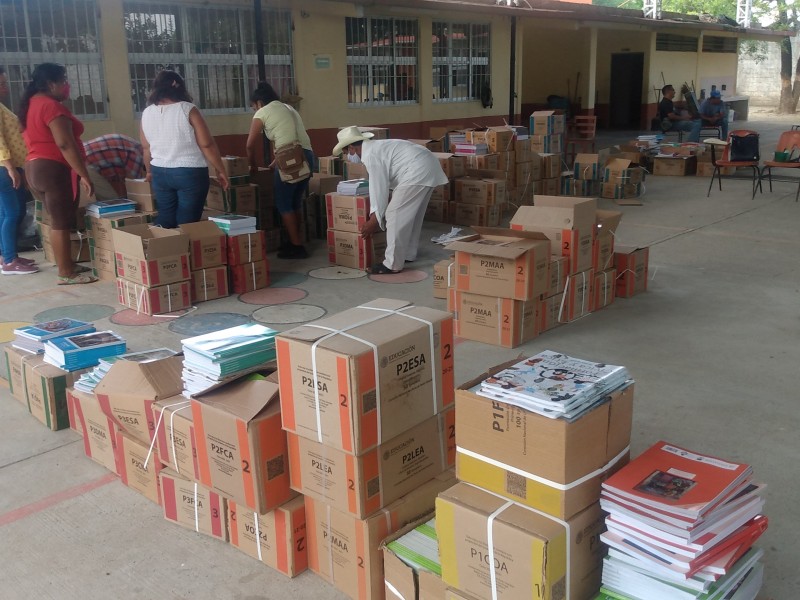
381	269
77	279
81	269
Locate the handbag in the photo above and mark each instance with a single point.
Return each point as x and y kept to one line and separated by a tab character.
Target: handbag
291	163
744	148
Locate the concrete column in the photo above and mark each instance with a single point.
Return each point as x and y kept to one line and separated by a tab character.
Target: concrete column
117	72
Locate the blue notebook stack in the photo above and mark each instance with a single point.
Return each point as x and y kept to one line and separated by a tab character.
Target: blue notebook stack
31	338
111	208
82	351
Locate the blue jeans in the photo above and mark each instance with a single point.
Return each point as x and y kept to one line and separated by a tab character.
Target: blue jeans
12	213
693	127
180	194
289	196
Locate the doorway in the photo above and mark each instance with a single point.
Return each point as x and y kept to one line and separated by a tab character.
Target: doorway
625	103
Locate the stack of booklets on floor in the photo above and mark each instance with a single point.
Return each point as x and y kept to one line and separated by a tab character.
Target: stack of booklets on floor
76	352
681	525
235	224
31	338
111	208
89	380
220	356
353	187
554	385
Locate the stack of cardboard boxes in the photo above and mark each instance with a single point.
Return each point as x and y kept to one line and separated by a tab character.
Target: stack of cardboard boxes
367	403
79	243
241	197
208	260
316	206
346	215
101	241
153	275
247	261
547	130
441	208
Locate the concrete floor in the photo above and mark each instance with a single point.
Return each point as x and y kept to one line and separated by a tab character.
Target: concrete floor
713	347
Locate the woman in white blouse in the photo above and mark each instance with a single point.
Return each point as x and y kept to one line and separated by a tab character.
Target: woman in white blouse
178	148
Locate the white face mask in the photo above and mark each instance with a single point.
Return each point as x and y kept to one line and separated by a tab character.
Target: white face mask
352	157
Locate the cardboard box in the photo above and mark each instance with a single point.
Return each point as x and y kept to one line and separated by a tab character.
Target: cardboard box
617	191
484	192
437	211
515	453
432	145
208	245
329	165
74	423
151	255
153	272
281	535
174	434
139	191
548	311
79	245
272	239
546	122
587	167
249	277
559	272
362	485
211	283
99	430
345	551
193	506
400	579
100	229
103	262
42	216
264	178
349	249
551	164
499	321
15	369
675	165
528	553
127	393
706	169
452	165
322	184
550	187
547	143
483	161
347	213
472	215
527	173
354	170
235	166
578	296
604	288
408	348
444	193
632	266
502	263
443	277
607	222
46	388
236	199
241	448
619	171
246	248
498	139
134	468
569	223
579	188
522	150
154	300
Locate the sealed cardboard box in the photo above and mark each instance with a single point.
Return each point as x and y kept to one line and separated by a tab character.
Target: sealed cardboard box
154	300
362	485
548	311
322	184
354	170
528	172
546	122
241	448
236	199
569	223
444	193
675	165
365	375
127	392
437	211
502	263
483	161
103	262
551	164
79	245
580	188
619	171
281	535
151	255
550	187
345	551
603	247
235	166
442	277
135	470
74	424
139	191
100	229
349	249
604	288
432	145
347	213
531	459
193	506
499	321
174	433
207	244
475	215
559	272
46	387
485	192
15	369
498	139
632	266
210	284
246	248
153	272
249	277
99	430
578	296
403	581
528	554
329	165
452	165
547	143
587	167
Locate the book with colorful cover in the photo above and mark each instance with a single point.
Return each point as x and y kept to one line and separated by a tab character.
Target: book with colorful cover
84	350
115	206
233	341
235	224
33	336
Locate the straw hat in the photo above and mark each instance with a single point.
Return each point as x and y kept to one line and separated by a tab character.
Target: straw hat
350	135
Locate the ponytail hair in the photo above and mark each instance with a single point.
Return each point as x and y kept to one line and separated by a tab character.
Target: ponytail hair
263	93
169	85
43	75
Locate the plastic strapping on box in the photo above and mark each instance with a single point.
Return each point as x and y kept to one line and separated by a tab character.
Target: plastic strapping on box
330	545
81	237
205	286
605	288
558	486
158	425
393	589
499	313
172	432
253	273
490	543
258	534
196	510
449	276
564	297
249	249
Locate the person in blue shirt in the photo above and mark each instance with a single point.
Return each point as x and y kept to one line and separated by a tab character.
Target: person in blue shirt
714	112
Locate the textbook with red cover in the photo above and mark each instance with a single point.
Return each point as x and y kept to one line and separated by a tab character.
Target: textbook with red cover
678	481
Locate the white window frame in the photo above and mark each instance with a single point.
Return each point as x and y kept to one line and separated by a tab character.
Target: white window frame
474	93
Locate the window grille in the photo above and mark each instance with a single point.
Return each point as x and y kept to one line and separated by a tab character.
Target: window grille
461	53
382	61
213	48
716	43
59	31
670	42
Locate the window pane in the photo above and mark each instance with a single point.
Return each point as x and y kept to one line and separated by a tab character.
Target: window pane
12	27
152	32
461	65
213	31
142	76
220	86
357	83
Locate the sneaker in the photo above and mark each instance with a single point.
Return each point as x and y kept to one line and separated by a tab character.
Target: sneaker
293	251
15	267
24	261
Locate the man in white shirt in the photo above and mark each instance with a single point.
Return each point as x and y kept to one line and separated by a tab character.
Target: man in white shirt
409	173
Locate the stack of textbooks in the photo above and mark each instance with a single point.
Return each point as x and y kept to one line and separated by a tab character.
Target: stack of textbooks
89	380
419	549
554	385
353	187
76	352
215	358
31	338
111	208
235	224
470	149
681	525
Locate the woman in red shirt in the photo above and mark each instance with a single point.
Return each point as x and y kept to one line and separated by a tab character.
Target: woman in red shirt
56	161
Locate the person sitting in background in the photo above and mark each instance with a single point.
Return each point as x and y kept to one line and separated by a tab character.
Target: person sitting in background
673	120
713	112
111	159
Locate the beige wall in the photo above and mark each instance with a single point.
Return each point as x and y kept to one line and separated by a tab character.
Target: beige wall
553	52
